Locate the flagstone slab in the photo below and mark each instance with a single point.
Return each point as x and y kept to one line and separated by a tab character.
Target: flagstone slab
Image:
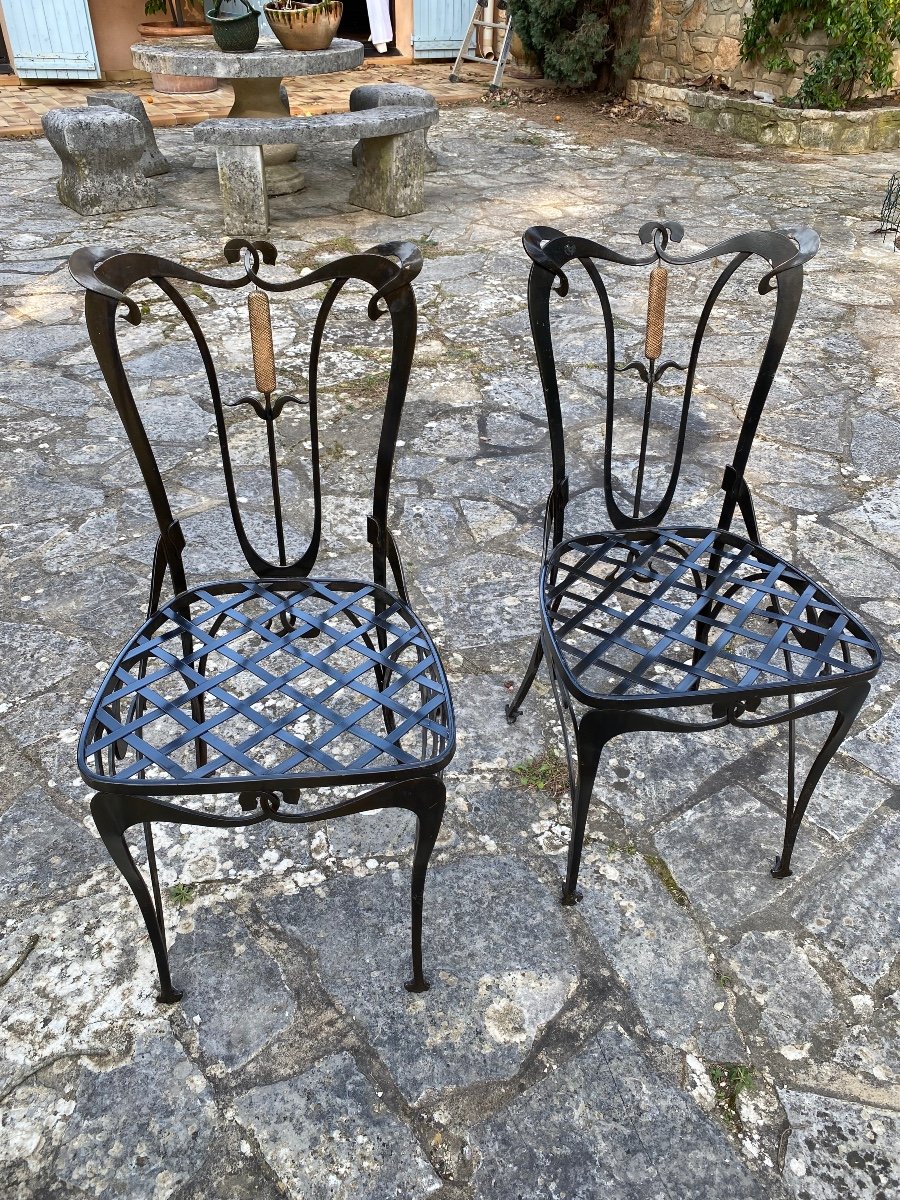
605	1123
327	1135
497	953
838	1148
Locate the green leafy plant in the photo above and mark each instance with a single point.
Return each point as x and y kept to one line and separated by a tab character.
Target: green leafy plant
667	879
863	35
181	894
729	1080
582	42
181	12
545	773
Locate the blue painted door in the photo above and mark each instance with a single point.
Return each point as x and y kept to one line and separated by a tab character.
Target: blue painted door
51	39
439	27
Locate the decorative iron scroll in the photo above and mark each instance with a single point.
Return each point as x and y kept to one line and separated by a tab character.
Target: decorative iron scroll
107	275
551	251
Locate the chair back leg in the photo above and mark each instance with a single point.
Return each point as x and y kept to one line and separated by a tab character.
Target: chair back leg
514	706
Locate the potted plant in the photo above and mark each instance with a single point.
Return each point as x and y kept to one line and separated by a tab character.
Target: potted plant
187	18
236	33
304	26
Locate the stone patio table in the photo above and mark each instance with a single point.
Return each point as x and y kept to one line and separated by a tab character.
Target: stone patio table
256	78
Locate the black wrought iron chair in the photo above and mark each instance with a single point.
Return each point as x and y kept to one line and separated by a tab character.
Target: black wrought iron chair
640	619
262	687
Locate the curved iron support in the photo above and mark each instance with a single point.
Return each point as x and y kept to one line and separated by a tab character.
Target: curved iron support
846	704
514	706
596	728
114	813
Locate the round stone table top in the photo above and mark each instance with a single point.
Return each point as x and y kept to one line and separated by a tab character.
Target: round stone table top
201	56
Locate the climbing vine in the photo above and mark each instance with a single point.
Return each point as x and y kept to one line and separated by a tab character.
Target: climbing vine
582	42
862	34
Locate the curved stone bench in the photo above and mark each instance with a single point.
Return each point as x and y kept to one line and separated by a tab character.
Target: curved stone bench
391	177
100	150
400	95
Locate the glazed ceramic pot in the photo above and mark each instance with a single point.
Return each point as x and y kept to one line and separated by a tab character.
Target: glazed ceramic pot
307	26
236	34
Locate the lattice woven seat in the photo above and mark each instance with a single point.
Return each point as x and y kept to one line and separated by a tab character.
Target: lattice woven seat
285	683
648	615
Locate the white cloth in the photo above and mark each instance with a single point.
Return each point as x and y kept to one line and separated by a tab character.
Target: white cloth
380	20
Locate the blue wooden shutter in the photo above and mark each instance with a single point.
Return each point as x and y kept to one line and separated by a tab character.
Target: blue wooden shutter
439	27
51	39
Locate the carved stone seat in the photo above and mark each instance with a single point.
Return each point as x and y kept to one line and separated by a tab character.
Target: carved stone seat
153	162
393	95
100	150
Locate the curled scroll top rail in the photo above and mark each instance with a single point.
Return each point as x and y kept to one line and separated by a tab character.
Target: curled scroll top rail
108	274
783	249
104	271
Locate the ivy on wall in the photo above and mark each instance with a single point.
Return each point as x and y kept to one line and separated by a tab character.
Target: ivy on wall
863	35
582	42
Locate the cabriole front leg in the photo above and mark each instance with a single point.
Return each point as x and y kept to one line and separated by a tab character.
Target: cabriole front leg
596	728
590	747
114	814
847	705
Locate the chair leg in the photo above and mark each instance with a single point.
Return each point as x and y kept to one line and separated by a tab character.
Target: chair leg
110	816
512	709
589	751
429	814
596	729
847	706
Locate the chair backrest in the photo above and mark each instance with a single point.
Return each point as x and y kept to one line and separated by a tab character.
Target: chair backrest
108	275
647	501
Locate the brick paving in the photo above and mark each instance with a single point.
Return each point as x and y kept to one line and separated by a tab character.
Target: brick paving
22	106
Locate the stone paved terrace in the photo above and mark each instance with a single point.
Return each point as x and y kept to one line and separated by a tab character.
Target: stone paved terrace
562	1053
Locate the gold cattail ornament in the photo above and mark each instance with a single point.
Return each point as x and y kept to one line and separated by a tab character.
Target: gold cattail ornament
261	342
656	312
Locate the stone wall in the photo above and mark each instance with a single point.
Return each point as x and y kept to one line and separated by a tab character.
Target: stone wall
686	40
771	124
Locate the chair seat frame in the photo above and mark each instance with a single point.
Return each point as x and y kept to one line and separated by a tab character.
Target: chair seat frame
591	718
124	798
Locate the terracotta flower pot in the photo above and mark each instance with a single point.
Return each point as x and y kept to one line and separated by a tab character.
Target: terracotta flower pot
165	29
311	27
181	85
